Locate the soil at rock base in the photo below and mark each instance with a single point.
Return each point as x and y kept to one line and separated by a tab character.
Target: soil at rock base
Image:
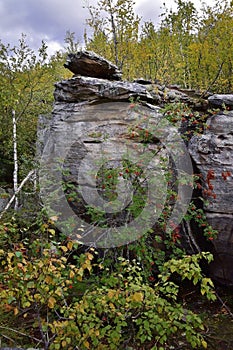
218	316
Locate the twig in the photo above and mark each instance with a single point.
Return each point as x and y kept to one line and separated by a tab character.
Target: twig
21	333
224	304
191	240
16	192
212	83
8	338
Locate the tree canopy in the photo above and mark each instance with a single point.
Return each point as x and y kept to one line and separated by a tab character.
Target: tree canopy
189	47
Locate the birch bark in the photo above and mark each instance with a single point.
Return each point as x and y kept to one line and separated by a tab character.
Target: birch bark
15	172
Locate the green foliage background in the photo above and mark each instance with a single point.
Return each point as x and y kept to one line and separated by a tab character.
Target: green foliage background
188	47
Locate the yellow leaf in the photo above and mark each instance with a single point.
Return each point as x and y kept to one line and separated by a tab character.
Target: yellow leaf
51	302
89	256
72	274
86	344
40	264
137	296
16	311
111	294
70	245
37	297
26	304
204	344
63	343
48	279
64	248
52	231
10	255
58	292
80	271
111	305
87	265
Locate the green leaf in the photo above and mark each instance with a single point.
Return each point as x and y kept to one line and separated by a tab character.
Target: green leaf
18	254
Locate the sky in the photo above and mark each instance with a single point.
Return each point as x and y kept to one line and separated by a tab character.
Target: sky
49	20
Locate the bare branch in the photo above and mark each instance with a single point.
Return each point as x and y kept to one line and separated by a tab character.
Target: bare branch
32	172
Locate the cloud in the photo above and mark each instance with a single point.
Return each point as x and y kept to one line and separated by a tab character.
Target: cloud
50	19
41	20
147	10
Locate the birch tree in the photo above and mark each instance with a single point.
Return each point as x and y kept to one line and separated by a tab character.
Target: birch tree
182	26
115	29
25	92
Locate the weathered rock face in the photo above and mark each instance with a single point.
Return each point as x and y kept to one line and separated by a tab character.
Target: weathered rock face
86	89
90	89
85	136
89	64
92	115
213	155
219	100
93	120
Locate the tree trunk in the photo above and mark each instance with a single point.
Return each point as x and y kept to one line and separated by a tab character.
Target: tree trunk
115	41
15	173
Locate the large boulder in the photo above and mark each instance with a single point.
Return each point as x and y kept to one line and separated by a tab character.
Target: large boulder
90	64
221	100
212	153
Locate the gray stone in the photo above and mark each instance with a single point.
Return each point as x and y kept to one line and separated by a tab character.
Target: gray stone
89	89
173	94
80	89
143	81
221	269
90	64
101	131
213	152
218	100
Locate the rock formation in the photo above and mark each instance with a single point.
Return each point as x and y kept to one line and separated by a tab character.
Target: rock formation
85	89
213	155
221	100
91	122
89	64
93	107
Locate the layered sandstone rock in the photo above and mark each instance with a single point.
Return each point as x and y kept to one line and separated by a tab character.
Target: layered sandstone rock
213	154
92	112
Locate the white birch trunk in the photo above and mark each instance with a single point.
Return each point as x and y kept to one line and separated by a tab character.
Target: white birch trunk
15	173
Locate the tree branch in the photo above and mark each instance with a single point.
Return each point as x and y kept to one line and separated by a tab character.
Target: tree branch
214	80
32	172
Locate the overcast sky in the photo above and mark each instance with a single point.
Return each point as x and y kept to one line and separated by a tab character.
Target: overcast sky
50	19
